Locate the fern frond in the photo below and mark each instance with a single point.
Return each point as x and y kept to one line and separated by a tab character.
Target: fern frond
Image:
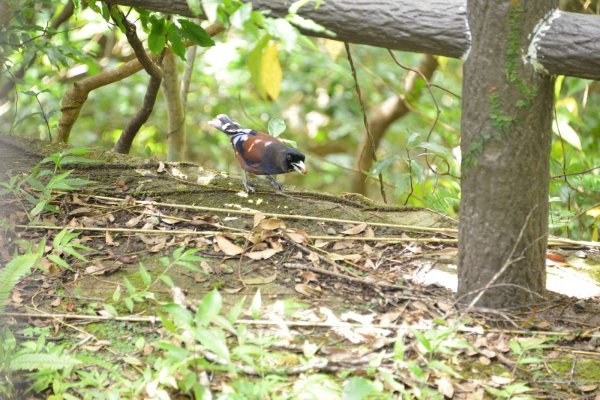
38	361
12	273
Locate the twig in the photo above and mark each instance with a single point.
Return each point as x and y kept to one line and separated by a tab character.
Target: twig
362	281
283	216
365	119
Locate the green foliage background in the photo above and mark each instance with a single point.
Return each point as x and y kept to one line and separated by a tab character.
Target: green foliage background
317	100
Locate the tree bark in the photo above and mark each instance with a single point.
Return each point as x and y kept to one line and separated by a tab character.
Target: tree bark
434	27
384	115
505	143
176	125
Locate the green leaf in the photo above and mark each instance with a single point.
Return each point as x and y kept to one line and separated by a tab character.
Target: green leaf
357	388
276	126
195	33
17	268
213	340
117	294
211	8
195	6
256	304
58	261
156	39
177	45
240	16
181	315
383	163
210	306
436	148
167	280
236	311
146	278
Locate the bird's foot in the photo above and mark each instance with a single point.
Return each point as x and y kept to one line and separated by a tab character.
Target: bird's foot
274	183
249	188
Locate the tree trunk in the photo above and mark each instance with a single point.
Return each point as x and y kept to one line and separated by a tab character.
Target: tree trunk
171	90
506	137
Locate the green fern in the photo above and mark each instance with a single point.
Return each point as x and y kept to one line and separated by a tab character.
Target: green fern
39	361
13	272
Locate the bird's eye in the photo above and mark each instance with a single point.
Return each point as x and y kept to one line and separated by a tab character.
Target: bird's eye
288	157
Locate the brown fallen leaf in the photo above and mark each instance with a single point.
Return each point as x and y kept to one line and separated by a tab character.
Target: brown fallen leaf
82	211
260	280
134	221
306	290
258	218
309	276
355	230
161	167
271	224
228	247
445	387
296	235
262	254
345	257
109	239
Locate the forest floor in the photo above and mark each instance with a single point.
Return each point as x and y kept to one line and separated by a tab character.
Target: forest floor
338	295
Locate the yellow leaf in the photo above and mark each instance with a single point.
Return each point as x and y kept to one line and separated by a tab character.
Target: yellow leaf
270	71
594	212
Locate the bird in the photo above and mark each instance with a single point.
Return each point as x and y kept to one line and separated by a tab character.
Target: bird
259	153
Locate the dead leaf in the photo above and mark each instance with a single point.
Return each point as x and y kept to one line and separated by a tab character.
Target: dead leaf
501	380
177	173
161	167
206	219
228	247
445	387
369	232
82	211
271	224
108	239
260	280
306	290
309	276
297	235
321	243
262	254
56	302
587	388
355	230
313	257
258	218
134	221
170	221
484	360
345	257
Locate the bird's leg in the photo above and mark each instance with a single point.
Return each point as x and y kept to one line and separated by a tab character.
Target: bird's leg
249	188
274	183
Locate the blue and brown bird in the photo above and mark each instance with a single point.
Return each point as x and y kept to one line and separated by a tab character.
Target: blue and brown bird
259	153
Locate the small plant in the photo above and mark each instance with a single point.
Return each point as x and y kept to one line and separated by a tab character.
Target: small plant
44	359
39	186
182	257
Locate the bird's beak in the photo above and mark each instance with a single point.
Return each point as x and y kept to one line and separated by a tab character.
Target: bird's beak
299	166
215	123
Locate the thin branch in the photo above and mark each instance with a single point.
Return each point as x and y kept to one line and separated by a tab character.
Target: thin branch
365	119
78	93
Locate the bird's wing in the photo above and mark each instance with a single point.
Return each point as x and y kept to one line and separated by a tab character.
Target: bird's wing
254	148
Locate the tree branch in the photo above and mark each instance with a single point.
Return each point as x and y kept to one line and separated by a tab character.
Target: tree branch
384	115
76	95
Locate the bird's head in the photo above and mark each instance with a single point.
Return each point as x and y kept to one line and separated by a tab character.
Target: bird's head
295	161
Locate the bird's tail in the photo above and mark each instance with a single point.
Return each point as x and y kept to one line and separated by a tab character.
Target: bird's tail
225	124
